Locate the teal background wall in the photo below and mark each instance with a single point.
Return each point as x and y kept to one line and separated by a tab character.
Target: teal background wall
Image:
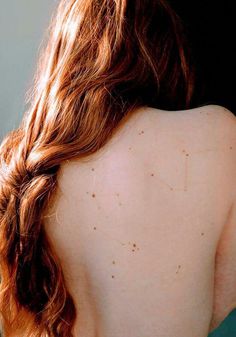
227	327
22	24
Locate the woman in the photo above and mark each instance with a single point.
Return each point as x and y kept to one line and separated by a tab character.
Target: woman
117	215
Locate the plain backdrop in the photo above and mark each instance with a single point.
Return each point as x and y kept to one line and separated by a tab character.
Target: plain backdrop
23	23
211	26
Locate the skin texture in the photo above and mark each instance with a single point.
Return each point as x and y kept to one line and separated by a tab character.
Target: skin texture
138	226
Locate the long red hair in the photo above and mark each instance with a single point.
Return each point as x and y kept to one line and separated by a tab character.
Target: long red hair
103	59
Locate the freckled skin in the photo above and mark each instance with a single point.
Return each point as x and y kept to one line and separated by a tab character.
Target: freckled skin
170	221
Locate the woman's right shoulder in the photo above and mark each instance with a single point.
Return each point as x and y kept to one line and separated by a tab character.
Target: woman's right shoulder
213	127
223	116
218	113
210	123
219	125
208	134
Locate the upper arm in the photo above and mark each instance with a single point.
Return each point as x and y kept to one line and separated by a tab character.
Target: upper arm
225	259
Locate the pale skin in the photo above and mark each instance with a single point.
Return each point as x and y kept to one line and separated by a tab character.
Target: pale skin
146	228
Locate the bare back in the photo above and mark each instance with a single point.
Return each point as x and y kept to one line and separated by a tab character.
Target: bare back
137	226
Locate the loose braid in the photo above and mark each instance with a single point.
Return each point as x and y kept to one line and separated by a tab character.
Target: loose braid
103	59
31	274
